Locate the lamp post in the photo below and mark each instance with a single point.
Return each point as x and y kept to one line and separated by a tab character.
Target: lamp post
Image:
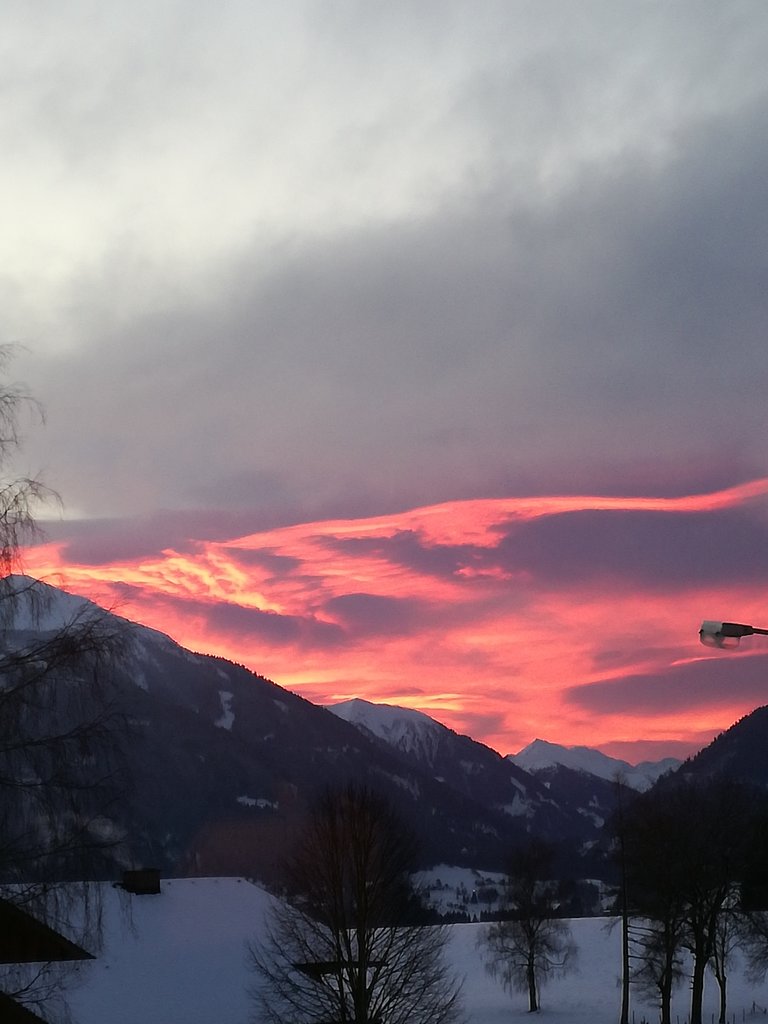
726	634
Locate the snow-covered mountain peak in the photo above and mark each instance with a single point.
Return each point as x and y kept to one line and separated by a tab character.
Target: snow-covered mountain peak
541	754
27	604
404	728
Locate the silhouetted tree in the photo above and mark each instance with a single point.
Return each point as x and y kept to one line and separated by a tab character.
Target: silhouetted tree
751	918
621	857
533	943
655	867
344	946
57	731
717	814
684	849
727	938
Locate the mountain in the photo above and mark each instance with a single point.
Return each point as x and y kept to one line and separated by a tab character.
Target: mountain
585	778
30	606
411	732
220	764
541	755
571	819
455	761
225	763
740	753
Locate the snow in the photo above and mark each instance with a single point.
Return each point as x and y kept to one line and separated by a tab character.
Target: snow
176	957
519	808
542	754
258	801
416	733
41	607
227	714
180	958
449	889
404	728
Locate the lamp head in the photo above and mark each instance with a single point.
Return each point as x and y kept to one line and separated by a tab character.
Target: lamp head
723	634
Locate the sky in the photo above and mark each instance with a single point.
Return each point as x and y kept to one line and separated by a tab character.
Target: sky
406	351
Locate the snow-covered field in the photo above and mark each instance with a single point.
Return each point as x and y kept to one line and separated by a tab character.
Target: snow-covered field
179	958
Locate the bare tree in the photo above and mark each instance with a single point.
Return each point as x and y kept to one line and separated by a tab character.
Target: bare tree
685	849
533	943
345	944
621	858
57	730
750	916
753	927
726	941
653	846
658	966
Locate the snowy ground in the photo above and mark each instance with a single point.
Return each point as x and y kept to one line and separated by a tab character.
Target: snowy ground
179	958
462	890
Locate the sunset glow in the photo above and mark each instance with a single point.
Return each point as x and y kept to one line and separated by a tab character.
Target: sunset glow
409	351
507	619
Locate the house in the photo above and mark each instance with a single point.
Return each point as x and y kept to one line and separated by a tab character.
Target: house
142	881
25	940
12	1012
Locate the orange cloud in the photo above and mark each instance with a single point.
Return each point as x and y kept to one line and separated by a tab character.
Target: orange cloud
431	608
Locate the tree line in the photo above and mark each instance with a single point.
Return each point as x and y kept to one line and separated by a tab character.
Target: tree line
59	741
346	941
692	855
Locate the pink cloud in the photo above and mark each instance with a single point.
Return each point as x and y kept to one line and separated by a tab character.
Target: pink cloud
495	616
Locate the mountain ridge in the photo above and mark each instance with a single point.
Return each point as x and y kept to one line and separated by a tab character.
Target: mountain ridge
224	764
541	755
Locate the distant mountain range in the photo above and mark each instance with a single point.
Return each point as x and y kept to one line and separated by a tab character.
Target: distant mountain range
221	765
415	734
578	781
541	756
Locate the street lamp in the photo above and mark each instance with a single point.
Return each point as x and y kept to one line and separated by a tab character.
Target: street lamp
726	634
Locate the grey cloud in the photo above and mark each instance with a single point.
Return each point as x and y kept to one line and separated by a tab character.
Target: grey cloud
405	547
278	565
236	622
478	723
653	549
629	547
616	659
718	682
374	615
103	541
610	335
655	750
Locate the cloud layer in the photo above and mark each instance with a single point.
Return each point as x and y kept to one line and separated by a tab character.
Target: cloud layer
324	261
574	618
276	268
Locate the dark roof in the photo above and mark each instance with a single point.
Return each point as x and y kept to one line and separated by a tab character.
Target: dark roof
25	940
12	1012
317	969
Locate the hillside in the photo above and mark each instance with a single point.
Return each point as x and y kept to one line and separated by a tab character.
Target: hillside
220	764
